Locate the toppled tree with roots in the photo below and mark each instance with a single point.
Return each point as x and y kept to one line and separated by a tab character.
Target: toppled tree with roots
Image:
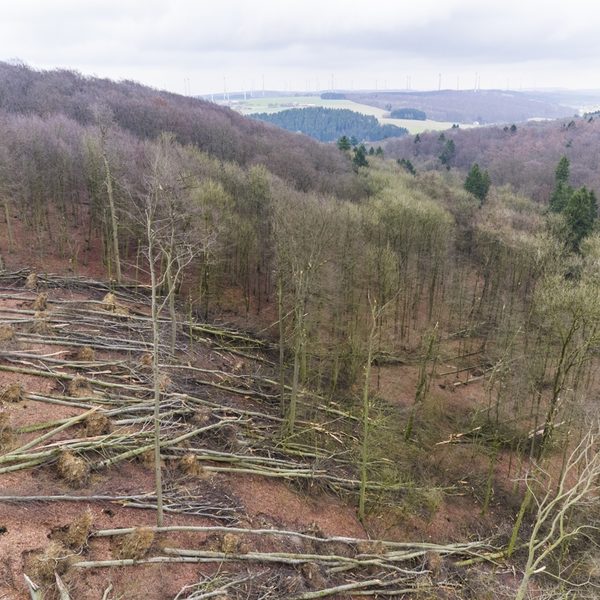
74	470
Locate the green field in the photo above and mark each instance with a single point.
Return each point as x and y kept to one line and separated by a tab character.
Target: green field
272	104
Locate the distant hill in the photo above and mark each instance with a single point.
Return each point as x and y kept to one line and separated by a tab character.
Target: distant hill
329	124
482	106
524	157
146	112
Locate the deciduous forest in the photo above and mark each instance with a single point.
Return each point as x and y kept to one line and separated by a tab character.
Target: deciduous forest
236	362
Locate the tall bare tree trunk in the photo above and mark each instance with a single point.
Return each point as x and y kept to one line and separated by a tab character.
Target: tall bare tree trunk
113	216
366	404
11	240
155	373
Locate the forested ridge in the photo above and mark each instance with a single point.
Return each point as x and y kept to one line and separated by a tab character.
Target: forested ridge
329	124
522	155
419	348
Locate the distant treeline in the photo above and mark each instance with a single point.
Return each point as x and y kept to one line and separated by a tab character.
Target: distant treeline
329	124
333	96
408	113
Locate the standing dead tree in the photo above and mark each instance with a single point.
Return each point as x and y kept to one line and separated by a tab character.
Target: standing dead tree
104	119
170	247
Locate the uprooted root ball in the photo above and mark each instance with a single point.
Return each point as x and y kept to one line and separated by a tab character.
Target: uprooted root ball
135	545
13	393
230	543
201	416
80	387
109	302
42	564
96	424
79	530
7	333
40	323
41	302
7	435
73	469
86	354
191	466
31	281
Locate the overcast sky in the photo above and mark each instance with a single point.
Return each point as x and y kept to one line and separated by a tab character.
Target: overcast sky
201	46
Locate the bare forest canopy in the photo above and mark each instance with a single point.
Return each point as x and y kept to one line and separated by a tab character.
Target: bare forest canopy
145	113
523	156
462	106
420	343
329	124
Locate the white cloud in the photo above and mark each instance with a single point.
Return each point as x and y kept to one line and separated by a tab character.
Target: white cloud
161	43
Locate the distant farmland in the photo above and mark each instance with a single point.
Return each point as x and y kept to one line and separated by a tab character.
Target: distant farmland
272	104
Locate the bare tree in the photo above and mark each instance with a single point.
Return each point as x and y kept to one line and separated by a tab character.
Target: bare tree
103	117
579	484
170	246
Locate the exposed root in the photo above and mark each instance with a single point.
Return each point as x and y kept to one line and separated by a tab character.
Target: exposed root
136	544
86	354
146	459
109	302
146	361
7	333
79	387
74	470
201	416
375	547
230	543
42	564
190	465
41	302
13	393
31	281
77	534
97	424
164	382
40	323
7	436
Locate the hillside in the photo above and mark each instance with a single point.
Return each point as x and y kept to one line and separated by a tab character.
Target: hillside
145	113
464	106
330	124
525	158
229	375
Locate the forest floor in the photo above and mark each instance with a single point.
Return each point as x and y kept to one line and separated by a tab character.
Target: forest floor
84	350
236	473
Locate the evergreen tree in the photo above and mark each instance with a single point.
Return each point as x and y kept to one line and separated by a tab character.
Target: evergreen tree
344	143
407	164
448	153
379	151
478	183
360	156
562	190
581	211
